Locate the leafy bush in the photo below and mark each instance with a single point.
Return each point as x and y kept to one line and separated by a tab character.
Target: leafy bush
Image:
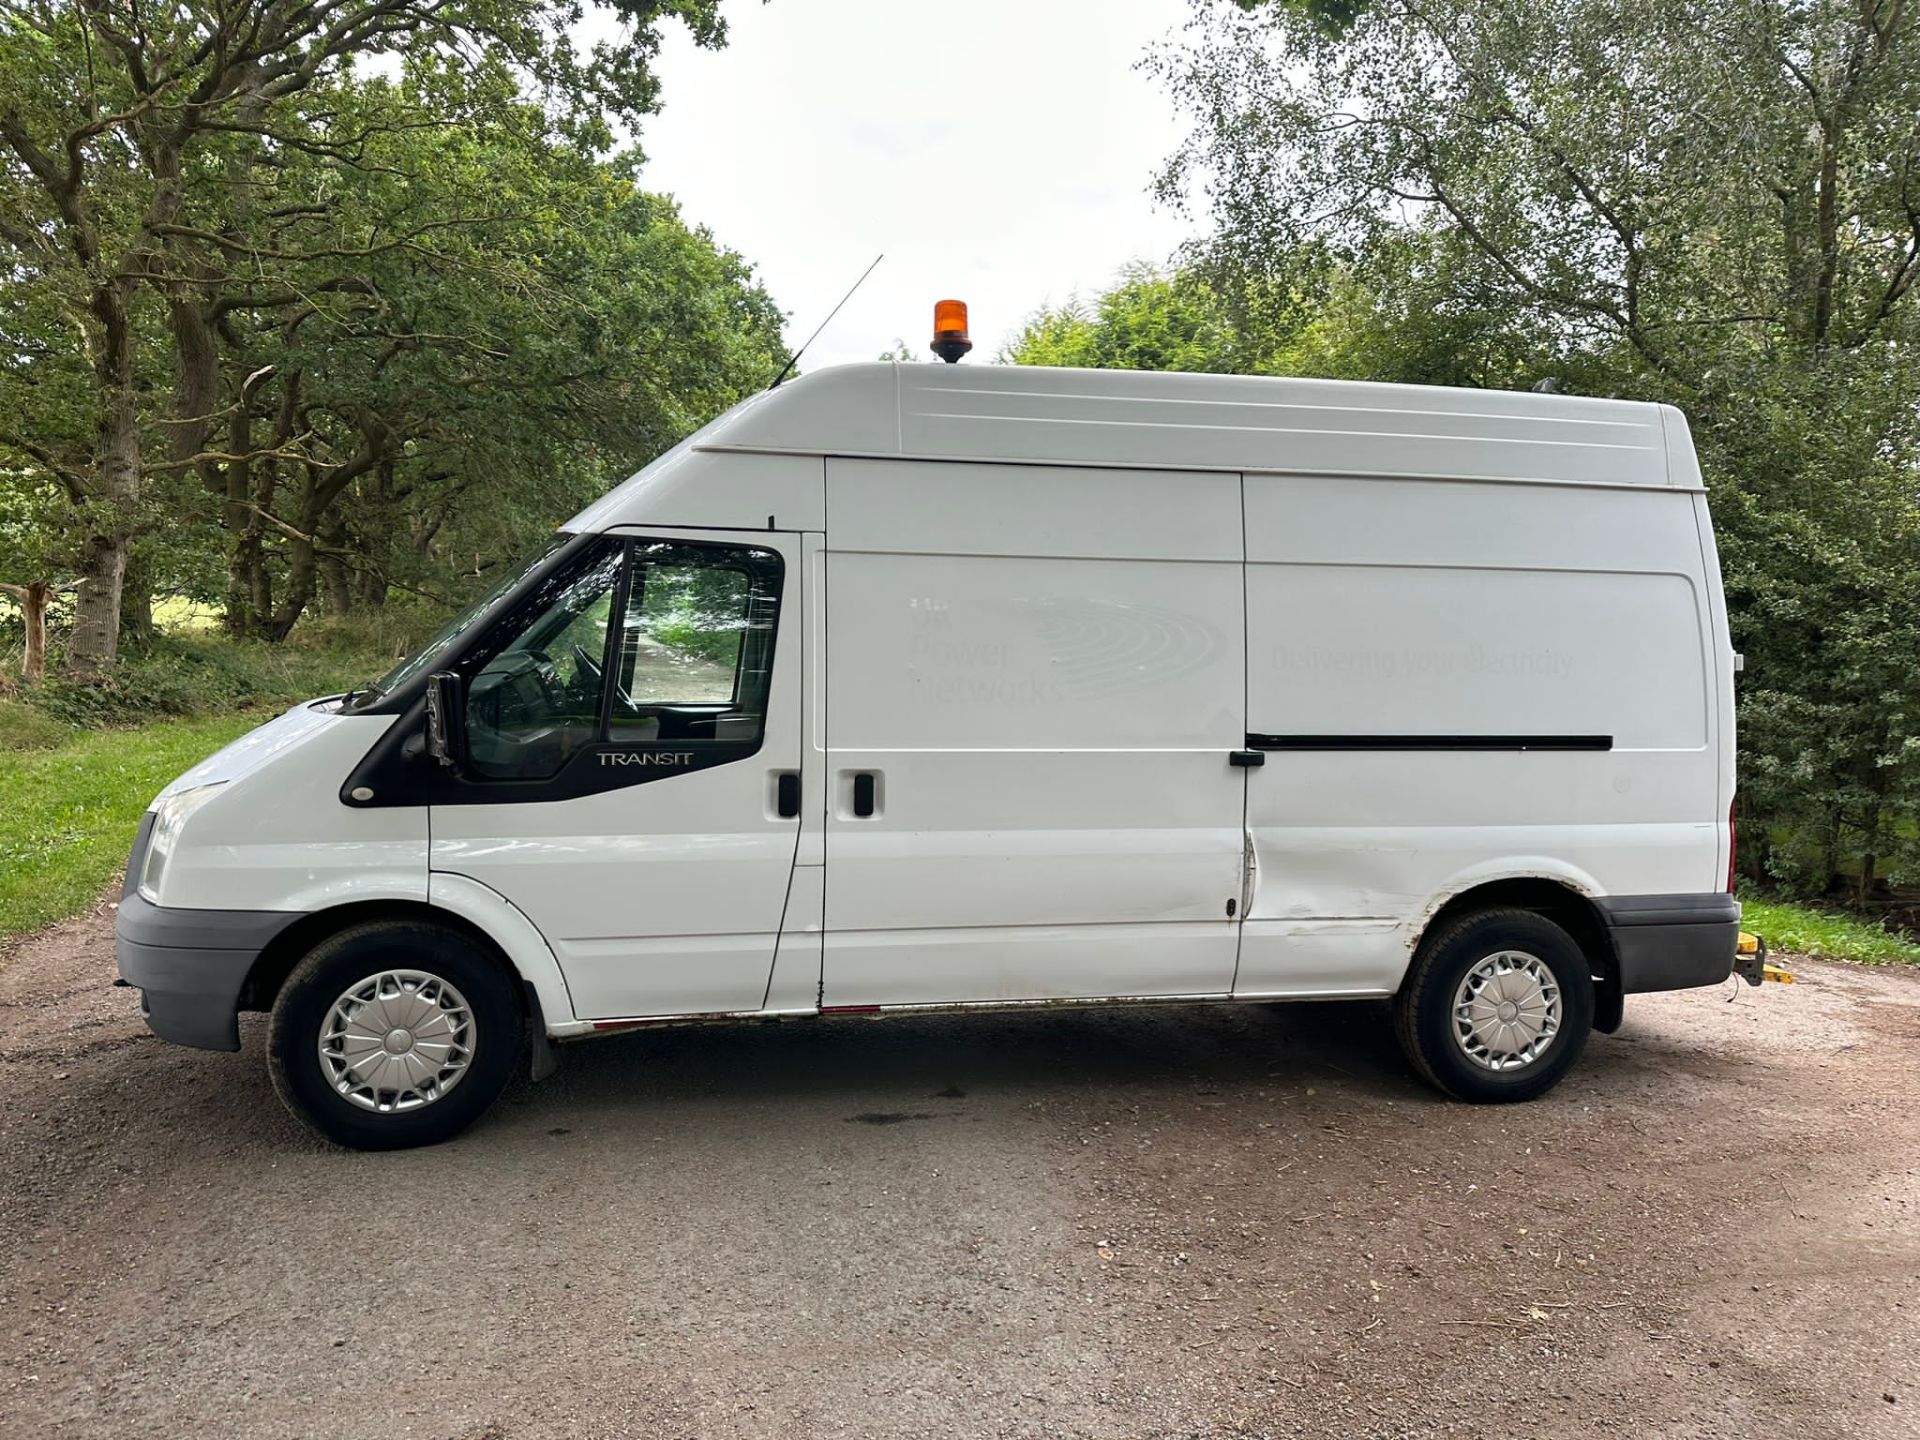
377	637
180	675
24	727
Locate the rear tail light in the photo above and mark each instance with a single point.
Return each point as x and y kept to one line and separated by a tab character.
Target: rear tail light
1733	841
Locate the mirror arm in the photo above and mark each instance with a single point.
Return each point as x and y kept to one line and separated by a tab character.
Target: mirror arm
446	738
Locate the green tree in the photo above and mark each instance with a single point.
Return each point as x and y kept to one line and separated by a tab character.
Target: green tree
1150	320
1390	315
447	338
111	111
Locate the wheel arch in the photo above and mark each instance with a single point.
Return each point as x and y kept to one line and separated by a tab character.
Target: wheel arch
1555	899
281	954
463	906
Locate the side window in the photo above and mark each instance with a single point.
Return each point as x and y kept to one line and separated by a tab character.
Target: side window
696	644
686	632
537	702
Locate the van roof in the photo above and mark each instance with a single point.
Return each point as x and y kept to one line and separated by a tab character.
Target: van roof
1134	418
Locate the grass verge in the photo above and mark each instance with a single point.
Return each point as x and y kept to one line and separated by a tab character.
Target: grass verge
1807	931
79	763
70	811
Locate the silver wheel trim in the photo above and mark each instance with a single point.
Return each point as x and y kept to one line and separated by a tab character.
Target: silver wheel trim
396	1041
1506	1011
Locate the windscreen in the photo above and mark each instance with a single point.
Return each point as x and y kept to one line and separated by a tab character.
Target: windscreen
430	654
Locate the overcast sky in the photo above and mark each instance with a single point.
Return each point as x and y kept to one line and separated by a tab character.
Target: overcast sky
998	151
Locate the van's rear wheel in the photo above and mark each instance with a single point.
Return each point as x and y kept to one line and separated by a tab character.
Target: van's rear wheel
393	1034
1497	1006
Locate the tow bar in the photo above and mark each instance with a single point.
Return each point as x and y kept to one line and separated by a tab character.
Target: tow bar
1750	962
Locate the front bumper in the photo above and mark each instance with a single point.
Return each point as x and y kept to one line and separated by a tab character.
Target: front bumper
1672	942
190	966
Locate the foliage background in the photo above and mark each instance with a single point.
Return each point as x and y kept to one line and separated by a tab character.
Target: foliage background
320	310
1713	205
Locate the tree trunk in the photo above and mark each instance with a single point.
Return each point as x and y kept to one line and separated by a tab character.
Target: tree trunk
33	613
336	587
302	573
103	553
136	598
95	643
249	601
246	582
1870	861
320	492
32	599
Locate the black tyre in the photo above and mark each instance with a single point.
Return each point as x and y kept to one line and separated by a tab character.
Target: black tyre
394	1034
1497	1006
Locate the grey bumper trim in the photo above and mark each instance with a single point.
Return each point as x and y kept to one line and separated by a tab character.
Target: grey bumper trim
145	923
1671	942
190	966
1714	909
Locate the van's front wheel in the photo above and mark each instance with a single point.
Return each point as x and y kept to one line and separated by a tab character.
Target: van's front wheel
393	1034
1497	1006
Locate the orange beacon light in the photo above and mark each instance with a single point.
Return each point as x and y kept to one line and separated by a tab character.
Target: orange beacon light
950	340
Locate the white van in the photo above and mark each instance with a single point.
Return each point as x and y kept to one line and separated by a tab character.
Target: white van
909	687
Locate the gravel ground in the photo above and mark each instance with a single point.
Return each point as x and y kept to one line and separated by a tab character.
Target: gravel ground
1235	1221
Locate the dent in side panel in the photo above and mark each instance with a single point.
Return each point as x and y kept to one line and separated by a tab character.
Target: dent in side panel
1323	959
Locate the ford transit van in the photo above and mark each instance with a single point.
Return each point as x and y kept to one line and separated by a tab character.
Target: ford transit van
907	687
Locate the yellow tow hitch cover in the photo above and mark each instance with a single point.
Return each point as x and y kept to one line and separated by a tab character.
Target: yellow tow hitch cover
1752	951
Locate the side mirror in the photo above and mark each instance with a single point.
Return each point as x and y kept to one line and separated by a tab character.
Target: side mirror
446	719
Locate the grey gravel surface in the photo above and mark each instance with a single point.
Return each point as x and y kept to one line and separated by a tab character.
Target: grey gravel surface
1224	1221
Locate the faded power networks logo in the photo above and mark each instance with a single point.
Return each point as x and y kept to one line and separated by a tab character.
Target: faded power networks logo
1064	648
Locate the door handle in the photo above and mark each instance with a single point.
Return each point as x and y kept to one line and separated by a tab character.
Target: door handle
863	795
1247	759
786	802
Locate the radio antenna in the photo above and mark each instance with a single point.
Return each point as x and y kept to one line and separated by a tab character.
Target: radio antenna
794	359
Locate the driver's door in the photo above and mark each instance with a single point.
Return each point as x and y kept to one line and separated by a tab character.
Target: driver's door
628	727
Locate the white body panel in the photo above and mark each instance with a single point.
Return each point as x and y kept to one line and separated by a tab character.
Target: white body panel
1046	707
275	835
1042	608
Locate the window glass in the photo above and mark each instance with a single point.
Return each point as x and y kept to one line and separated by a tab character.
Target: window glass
430	654
537	702
696	647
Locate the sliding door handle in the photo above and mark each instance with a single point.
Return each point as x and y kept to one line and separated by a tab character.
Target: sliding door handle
863	795
1247	759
